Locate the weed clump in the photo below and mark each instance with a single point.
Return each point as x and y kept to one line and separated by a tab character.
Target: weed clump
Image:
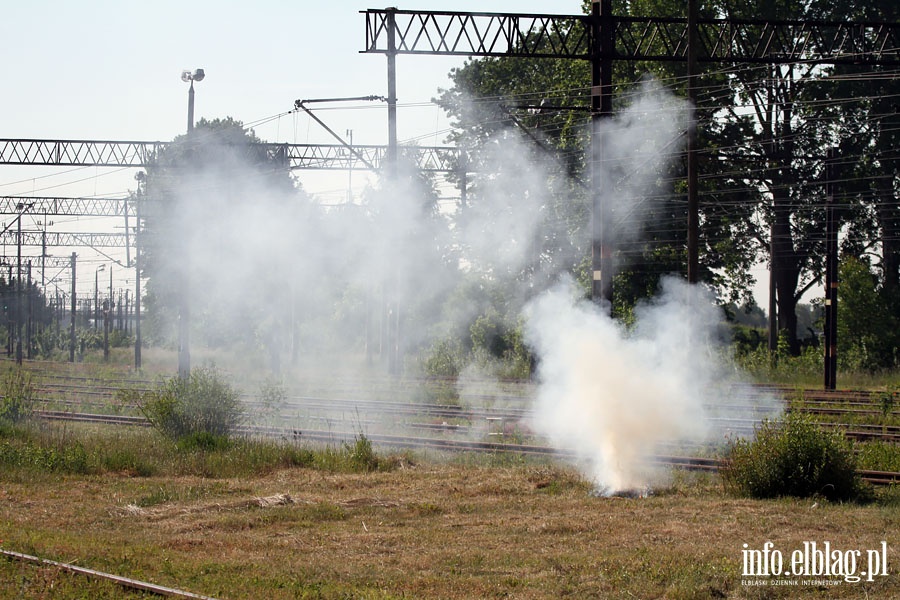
17	400
199	411
793	457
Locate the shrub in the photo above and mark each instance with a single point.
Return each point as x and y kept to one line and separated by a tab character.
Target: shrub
202	409
445	359
362	455
273	397
793	457
18	396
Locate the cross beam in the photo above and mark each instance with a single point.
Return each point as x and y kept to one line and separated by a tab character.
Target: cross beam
111	153
75	207
634	38
70	239
51	262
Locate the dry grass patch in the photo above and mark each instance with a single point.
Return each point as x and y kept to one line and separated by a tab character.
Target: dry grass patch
430	531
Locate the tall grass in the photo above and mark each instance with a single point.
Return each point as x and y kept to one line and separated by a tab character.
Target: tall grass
16	396
808	368
31	449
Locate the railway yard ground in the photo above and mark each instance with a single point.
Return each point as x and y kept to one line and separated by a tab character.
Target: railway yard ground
423	522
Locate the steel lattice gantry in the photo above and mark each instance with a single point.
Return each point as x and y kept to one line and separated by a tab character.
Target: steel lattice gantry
110	153
50	262
601	38
70	239
633	38
77	207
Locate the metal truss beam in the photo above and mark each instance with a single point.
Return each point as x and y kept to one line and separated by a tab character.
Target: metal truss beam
768	42
76	207
634	38
479	34
55	238
79	152
440	159
50	262
110	153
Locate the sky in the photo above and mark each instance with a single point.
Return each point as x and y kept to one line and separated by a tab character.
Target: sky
111	70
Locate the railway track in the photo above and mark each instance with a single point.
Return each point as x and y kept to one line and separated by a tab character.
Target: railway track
454	445
462	417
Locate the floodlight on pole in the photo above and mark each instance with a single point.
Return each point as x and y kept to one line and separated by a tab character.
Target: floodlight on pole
187	76
184	309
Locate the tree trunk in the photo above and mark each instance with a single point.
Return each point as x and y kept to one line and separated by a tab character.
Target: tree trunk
787	269
888	211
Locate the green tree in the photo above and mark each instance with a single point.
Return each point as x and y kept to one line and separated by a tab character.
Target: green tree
215	208
868	332
544	100
796	112
861	102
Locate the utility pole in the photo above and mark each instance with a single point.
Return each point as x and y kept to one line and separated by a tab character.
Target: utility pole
184	312
601	110
107	318
773	293
137	292
831	272
72	315
19	287
393	306
693	216
137	269
10	312
29	325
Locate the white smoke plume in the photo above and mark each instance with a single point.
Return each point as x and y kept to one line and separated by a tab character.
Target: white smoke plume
638	144
286	284
612	395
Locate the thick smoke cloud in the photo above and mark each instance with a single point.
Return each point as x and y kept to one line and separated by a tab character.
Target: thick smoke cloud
613	395
617	396
285	283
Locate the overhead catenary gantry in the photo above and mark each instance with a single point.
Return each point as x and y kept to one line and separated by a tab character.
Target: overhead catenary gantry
110	153
633	38
69	206
143	154
63	239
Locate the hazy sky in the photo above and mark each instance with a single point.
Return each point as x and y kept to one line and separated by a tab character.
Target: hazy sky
110	70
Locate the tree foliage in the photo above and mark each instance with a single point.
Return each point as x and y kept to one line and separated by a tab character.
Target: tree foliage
868	330
216	215
763	131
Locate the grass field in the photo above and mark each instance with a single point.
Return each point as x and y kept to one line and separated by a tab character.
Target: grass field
260	521
428	528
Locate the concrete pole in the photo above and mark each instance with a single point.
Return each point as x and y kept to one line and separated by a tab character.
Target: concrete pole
601	109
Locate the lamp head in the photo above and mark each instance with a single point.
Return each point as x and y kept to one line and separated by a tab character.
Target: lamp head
197	75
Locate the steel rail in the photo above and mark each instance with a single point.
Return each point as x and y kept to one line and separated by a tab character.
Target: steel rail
858	431
117	579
